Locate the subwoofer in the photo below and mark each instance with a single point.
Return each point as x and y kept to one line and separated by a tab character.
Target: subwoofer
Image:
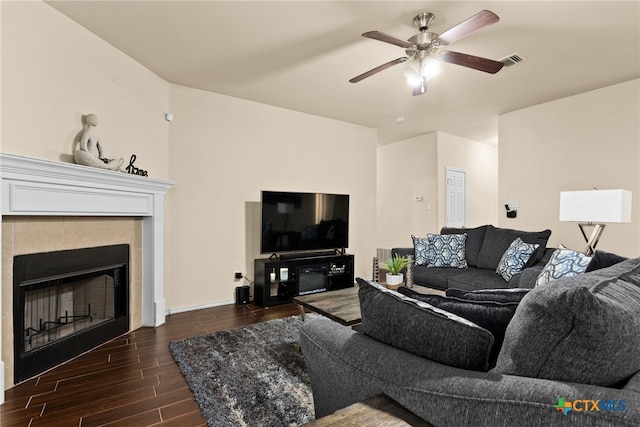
242	295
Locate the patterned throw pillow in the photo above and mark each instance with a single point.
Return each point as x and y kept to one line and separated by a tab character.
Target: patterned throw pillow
447	250
420	246
514	258
563	263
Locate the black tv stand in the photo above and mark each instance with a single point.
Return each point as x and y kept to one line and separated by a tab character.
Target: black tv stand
299	255
278	281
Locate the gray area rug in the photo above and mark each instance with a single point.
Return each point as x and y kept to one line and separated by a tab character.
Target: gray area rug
250	376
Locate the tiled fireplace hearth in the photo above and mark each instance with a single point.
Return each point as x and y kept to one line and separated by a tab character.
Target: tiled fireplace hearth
50	206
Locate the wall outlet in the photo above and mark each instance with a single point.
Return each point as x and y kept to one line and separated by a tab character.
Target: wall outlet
237	275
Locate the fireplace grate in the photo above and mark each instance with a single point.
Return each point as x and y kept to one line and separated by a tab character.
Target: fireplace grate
47	327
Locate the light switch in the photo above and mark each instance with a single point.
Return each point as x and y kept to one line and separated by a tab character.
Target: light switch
513	203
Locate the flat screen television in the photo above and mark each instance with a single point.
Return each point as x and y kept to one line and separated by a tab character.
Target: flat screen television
294	222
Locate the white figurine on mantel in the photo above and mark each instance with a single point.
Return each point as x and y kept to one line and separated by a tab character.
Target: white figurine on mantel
89	153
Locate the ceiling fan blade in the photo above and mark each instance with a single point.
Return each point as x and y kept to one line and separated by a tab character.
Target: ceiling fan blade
378	69
377	35
477	21
475	62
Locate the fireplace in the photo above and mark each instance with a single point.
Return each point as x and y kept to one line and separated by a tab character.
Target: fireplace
64	200
67	302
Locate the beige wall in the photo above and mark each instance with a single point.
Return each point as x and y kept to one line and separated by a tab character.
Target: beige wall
416	167
54	71
576	143
407	169
225	150
480	162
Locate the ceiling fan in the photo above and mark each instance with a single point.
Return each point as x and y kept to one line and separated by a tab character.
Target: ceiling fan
423	50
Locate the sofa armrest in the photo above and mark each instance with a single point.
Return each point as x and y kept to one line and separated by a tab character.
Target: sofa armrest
402	251
526	278
545	258
346	366
633	383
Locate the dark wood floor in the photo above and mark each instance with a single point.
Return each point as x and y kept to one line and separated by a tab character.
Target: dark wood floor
130	381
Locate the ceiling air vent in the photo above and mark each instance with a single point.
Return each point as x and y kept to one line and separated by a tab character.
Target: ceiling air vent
513	59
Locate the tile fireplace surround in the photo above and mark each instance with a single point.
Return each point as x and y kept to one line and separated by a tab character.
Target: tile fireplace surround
44	190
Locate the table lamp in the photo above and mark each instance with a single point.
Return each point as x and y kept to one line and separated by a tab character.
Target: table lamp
593	208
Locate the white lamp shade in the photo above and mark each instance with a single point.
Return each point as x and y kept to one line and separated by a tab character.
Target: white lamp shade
596	206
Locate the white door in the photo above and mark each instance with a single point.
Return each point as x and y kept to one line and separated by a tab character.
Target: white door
456	196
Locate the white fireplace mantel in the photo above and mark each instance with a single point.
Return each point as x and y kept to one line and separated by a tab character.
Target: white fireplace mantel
47	188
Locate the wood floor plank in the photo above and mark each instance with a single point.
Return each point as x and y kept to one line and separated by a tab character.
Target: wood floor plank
63	399
106	403
144	419
129	381
21	418
179	409
168	387
137	407
192	419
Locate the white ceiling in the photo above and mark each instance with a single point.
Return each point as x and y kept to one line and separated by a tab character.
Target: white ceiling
300	55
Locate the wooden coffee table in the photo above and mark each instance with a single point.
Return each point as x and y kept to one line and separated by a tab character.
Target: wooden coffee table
341	306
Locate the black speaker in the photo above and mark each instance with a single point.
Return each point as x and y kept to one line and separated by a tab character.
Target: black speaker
242	295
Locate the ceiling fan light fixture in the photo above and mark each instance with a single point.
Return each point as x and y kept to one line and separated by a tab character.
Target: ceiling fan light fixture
420	88
430	68
419	72
412	73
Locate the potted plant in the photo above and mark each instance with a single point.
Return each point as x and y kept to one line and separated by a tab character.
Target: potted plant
394	267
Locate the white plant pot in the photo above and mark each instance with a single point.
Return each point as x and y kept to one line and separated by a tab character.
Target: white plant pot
394	279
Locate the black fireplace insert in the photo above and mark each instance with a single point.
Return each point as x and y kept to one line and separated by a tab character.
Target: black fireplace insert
66	303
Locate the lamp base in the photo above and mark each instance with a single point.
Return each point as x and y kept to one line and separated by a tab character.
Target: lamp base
592	240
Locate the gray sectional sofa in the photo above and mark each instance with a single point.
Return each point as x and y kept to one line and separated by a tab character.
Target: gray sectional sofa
570	357
485	246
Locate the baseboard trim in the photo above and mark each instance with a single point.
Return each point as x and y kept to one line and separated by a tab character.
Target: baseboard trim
177	310
2	382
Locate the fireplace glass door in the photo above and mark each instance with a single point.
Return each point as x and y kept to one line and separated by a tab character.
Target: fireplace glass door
54	310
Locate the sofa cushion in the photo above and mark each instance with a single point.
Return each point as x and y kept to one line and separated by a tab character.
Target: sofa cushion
495	295
422	329
491	315
602	259
446	250
563	263
581	329
475	237
474	279
437	278
497	240
514	258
